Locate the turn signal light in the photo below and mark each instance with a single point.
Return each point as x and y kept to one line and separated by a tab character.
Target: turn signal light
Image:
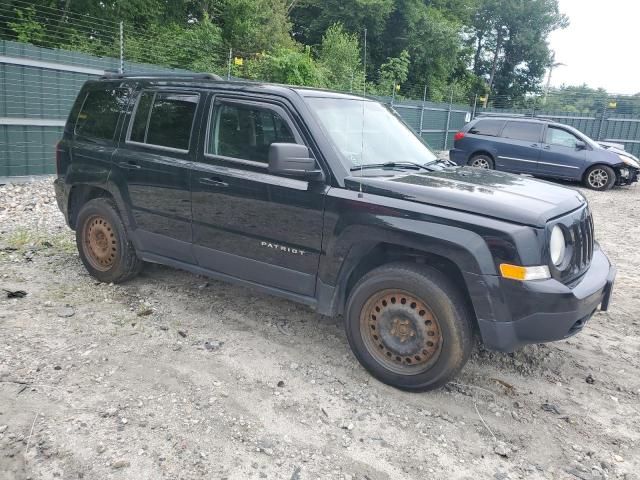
516	272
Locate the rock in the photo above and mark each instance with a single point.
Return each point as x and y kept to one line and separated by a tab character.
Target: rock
182	333
212	345
144	312
101	448
57	367
502	449
66	311
590	380
3	428
120	464
281	384
618	458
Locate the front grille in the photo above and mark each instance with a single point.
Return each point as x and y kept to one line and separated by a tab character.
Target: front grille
579	227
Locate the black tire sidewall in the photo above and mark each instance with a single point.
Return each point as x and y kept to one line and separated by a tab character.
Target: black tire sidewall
612	178
104	208
447	307
486	157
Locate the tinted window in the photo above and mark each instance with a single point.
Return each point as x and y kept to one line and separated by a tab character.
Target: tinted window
490	128
99	113
139	127
169	122
246	132
529	132
558	136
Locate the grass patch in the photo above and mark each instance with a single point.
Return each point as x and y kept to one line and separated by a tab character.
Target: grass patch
25	239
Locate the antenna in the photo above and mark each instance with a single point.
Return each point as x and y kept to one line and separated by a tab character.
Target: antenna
364	93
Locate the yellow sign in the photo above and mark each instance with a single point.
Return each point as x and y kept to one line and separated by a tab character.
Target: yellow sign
238	61
613	104
483	98
398	88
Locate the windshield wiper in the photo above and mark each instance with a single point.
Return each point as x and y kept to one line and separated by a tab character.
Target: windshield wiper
411	165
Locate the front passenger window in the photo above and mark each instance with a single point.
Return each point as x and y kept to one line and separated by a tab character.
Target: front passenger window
558	136
246	132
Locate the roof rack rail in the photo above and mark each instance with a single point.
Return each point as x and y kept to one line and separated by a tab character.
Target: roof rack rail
195	76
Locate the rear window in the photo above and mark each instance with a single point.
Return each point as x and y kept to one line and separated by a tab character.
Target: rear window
99	114
490	128
164	119
525	131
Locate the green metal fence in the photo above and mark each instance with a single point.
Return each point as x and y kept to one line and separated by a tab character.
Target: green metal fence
38	87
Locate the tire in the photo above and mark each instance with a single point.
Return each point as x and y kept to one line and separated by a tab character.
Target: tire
481	161
103	245
423	326
600	178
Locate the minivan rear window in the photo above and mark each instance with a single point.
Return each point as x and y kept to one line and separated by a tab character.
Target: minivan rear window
525	131
169	122
99	114
489	128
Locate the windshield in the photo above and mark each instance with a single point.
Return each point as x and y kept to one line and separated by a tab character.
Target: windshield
367	133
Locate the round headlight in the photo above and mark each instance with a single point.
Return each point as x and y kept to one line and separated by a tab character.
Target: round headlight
557	246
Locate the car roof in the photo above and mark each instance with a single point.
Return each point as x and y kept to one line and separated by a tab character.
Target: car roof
516	119
208	80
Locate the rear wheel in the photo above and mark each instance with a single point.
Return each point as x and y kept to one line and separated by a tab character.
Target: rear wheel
408	326
481	161
600	177
102	243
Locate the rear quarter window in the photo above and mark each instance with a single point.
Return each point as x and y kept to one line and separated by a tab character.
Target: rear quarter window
99	113
490	128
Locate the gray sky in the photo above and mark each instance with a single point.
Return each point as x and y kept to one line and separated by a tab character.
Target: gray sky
600	47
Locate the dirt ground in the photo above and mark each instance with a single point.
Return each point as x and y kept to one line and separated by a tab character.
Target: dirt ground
179	377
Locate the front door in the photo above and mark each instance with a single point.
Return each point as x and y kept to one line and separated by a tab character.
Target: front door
519	147
562	155
152	169
247	222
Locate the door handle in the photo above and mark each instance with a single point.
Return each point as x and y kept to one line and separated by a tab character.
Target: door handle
547	147
534	145
214	182
130	165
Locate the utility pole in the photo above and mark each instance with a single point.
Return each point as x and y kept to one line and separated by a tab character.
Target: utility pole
229	65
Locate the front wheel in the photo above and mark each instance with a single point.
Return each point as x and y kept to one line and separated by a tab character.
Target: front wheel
600	177
409	326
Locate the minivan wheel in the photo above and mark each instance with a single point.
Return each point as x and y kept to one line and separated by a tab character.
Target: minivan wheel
481	161
102	243
409	326
600	177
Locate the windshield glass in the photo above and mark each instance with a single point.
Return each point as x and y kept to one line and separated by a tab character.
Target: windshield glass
367	133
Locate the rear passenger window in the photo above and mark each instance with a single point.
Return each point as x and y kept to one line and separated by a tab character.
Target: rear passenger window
164	119
99	114
246	132
525	131
489	128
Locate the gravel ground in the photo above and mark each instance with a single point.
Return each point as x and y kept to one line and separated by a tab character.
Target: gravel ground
175	376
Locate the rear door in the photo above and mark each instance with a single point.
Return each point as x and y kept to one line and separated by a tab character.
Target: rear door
247	222
152	170
561	156
519	147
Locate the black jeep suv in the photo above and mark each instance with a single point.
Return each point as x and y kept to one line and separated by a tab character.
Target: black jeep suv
329	200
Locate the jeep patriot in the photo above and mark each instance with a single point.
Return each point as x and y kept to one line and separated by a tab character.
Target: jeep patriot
329	200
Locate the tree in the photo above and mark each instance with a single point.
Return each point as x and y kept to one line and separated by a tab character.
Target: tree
393	73
340	59
509	39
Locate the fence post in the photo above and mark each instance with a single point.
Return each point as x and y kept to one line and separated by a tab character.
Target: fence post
229	64
446	131
424	100
393	94
121	69
475	105
603	118
533	112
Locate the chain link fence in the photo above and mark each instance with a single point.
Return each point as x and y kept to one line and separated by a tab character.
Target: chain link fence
39	84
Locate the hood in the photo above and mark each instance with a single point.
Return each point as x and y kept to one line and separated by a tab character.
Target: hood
618	151
489	193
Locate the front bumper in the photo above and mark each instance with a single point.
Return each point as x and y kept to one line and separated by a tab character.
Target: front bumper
627	176
545	311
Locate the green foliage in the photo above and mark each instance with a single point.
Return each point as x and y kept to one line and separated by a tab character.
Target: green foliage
459	47
340	59
26	27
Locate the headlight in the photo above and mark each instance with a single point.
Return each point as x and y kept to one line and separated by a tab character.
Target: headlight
629	161
557	246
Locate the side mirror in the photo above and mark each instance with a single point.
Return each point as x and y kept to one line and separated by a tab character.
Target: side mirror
580	145
293	160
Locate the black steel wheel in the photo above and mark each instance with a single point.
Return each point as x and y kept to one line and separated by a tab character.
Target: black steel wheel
409	326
